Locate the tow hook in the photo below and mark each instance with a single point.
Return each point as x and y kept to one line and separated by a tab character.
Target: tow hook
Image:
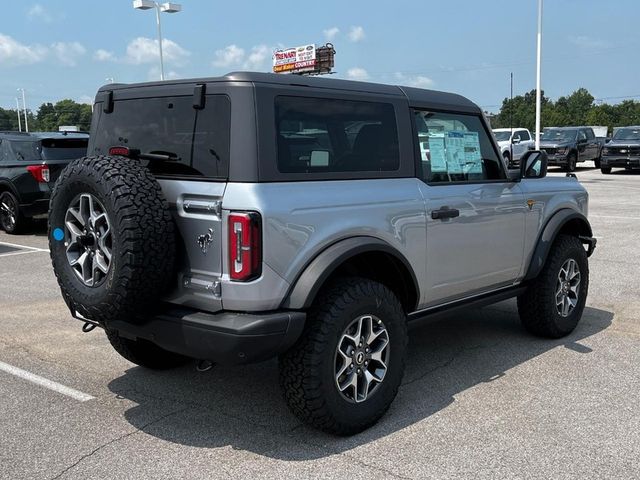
204	365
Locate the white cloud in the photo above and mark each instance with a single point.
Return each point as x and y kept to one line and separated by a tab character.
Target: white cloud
233	56
331	33
257	57
68	52
153	75
102	55
86	99
14	52
145	50
356	34
357	73
38	12
229	56
588	42
418	81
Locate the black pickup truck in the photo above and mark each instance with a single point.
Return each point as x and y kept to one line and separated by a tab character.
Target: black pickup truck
622	151
566	146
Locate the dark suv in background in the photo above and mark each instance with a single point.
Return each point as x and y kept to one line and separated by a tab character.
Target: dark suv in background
623	151
566	146
29	164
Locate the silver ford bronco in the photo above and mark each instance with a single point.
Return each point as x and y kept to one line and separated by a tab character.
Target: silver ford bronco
235	219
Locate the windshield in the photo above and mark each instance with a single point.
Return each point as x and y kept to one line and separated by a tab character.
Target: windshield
502	136
627	134
558	135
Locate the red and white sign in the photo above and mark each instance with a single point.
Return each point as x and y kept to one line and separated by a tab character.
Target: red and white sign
294	60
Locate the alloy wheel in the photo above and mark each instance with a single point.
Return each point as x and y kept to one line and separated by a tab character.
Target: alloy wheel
568	287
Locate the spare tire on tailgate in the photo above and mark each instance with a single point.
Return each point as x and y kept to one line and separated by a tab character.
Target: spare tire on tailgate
111	237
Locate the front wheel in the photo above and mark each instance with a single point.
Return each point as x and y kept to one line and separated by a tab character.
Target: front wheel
553	303
572	160
345	371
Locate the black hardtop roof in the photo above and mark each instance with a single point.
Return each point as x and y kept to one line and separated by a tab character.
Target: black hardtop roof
414	95
37	136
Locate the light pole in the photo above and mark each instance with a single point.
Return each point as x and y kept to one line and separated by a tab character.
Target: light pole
538	92
24	106
18	110
166	8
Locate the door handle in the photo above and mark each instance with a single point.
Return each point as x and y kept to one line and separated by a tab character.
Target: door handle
445	212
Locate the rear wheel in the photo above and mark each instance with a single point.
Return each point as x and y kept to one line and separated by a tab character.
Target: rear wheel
572	160
11	219
144	353
507	159
346	369
553	304
605	170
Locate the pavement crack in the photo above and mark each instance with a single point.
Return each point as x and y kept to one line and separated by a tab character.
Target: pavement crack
118	439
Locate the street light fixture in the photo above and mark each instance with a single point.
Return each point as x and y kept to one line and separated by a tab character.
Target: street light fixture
24	106
164	7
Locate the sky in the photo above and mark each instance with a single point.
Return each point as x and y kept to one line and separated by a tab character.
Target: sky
58	49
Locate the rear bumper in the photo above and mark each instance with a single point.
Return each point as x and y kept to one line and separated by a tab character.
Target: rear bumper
622	162
227	337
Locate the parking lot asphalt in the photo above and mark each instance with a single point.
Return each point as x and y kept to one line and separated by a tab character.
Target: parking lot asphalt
480	398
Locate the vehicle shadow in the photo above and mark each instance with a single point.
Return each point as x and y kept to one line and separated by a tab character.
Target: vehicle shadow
242	407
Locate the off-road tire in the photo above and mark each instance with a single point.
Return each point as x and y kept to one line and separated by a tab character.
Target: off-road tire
537	306
143	238
144	353
572	161
307	370
605	170
19	222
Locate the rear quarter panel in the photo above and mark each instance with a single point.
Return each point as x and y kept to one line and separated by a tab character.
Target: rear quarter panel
301	219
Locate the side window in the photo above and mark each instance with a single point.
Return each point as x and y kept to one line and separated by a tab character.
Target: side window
582	135
590	134
24	151
3	151
455	148
524	136
325	135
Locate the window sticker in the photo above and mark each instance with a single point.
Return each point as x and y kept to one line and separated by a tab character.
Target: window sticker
454	148
473	157
436	152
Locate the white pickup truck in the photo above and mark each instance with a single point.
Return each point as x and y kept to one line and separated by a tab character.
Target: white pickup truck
513	143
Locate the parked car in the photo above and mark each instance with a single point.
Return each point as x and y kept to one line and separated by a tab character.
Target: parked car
513	143
623	151
568	146
29	165
259	215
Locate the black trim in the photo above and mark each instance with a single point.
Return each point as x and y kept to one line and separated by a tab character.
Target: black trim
548	236
315	273
228	338
475	302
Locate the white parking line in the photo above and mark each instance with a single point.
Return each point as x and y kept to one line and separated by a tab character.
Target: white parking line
22	253
621	217
44	382
35	249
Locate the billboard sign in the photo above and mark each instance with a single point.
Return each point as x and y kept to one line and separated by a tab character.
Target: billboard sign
295	60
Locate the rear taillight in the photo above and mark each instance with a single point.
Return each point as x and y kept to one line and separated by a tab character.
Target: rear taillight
39	172
245	246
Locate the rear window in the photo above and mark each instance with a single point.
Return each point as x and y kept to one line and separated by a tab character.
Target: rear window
328	135
198	139
62	149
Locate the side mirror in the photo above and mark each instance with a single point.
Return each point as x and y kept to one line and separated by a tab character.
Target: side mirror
533	164
515	140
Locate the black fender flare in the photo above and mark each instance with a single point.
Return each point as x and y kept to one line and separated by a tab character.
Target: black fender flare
549	234
6	185
313	276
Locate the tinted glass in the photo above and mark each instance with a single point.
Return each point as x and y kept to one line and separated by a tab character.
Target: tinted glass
28	151
324	135
62	149
199	139
627	134
590	134
552	135
524	135
502	136
455	148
